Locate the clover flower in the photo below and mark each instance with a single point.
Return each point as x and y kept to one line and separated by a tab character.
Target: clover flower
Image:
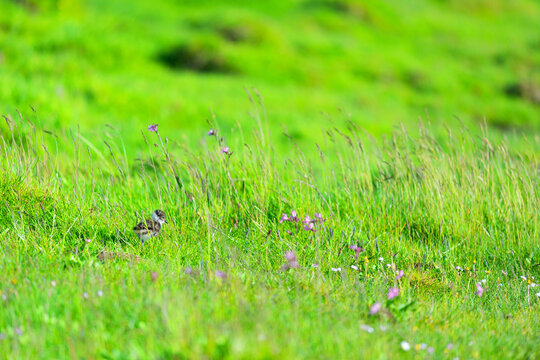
153	127
405	346
392	293
374	309
292	262
479	289
367	328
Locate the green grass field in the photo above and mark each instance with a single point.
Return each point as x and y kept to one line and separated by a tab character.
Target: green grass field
422	240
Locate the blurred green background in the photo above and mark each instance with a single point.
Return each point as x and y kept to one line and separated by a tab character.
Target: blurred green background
316	63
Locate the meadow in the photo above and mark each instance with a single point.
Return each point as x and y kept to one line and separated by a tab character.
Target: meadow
311	215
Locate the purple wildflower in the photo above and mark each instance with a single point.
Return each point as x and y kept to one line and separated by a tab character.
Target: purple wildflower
221	274
225	150
504	273
211	132
479	289
309	220
400	274
291	263
283	218
288	232
374	308
153	127
290	256
357	250
187	270
309	227
319	217
294	217
336	269
392	293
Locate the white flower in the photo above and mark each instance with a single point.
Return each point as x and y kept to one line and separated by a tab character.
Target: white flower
381	259
430	350
315	265
100	293
538	294
388	265
367	328
423	346
354	267
459	268
483	281
532	285
336	269
53	283
382	327
523	277
405	346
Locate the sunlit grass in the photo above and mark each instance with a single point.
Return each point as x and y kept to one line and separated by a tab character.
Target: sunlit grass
218	281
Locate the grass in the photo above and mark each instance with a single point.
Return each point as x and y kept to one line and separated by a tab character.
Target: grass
77	283
451	200
314	61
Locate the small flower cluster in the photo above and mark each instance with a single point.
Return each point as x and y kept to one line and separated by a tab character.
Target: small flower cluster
291	263
309	223
405	346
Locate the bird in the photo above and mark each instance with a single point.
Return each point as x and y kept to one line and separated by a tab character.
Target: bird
150	227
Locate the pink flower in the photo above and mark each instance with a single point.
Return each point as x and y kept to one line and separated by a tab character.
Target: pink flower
283	218
319	217
479	289
400	274
309	227
392	293
221	274
290	256
291	263
153	127
504	273
357	250
374	308
225	150
294	217
211	132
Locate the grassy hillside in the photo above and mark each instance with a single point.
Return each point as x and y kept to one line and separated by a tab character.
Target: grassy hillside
131	63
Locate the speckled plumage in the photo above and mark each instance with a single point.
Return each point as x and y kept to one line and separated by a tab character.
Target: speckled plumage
150	227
